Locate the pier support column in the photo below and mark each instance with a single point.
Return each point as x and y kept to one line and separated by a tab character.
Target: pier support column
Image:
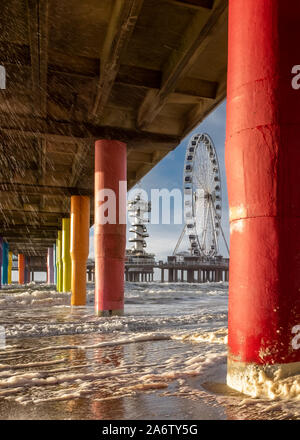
59	275
21	268
262	163
66	256
27	270
54	264
162	275
190	276
4	274
9	267
1	257
50	268
226	275
176	275
110	232
80	226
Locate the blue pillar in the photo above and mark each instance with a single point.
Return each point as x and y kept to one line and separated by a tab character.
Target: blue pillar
4	275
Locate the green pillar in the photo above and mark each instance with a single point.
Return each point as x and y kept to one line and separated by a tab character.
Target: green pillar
59	267
66	256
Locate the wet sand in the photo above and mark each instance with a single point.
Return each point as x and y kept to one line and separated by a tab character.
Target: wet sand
124	391
170	363
152	406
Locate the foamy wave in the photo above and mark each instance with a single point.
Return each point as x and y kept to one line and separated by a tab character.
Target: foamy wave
219	336
114	324
256	383
37	298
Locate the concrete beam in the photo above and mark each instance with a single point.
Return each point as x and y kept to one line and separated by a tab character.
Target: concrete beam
194	4
198	35
79	163
38	39
120	28
198	114
27	189
19	128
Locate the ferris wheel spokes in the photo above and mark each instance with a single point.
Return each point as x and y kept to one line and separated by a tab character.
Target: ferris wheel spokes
202	192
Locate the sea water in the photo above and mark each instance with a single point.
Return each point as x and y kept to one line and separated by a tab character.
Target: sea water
165	358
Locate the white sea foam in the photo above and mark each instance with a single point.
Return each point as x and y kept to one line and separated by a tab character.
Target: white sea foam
172	340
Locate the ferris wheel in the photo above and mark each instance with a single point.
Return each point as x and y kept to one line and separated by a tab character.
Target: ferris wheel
202	197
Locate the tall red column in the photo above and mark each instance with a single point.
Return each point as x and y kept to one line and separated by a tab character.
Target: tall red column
262	163
110	236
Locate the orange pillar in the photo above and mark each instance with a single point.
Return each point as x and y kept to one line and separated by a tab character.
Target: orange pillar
21	267
110	236
79	247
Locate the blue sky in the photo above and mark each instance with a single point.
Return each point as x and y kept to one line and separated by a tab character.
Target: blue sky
168	174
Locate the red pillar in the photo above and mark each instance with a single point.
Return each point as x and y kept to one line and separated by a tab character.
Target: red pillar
110	238
262	163
21	267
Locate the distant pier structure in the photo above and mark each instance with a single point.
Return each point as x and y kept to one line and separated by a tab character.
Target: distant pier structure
194	269
139	264
32	264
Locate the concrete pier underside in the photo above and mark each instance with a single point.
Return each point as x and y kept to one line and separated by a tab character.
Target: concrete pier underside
115	73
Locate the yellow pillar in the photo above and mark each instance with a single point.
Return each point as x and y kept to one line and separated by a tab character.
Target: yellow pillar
66	256
80	224
59	265
9	266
